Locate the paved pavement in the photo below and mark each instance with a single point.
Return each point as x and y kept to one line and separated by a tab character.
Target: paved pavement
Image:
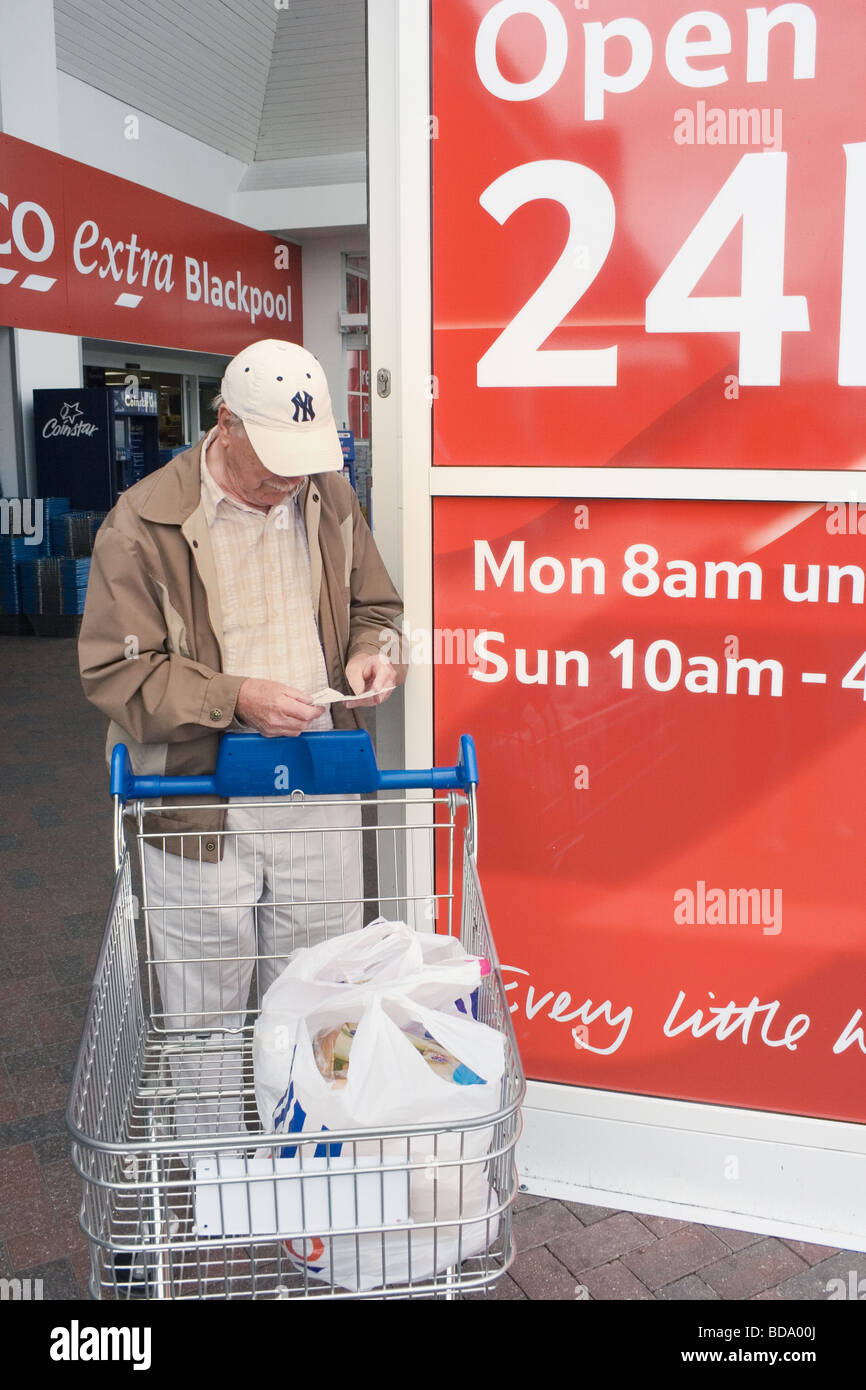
55	879
570	1250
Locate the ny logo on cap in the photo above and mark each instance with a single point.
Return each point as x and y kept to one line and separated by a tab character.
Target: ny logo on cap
303	402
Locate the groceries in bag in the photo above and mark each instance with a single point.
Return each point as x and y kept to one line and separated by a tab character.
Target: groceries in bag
332	1048
376	1030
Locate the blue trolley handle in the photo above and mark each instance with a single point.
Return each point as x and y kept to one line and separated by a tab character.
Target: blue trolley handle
330	763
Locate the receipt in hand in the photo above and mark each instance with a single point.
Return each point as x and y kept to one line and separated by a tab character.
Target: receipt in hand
327	696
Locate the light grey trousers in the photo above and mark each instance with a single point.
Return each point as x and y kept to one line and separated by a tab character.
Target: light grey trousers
290	876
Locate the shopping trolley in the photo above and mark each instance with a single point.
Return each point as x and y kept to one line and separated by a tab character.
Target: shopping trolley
184	1194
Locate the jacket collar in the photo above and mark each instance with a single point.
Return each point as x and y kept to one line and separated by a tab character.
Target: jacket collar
176	490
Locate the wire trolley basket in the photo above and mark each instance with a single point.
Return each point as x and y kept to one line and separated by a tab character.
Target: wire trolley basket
185	1194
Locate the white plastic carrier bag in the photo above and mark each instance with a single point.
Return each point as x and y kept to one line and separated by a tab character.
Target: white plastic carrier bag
409	1000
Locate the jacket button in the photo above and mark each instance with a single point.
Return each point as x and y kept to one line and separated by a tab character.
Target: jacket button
315	497
216	714
210	846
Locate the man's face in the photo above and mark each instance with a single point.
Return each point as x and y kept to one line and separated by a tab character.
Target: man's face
246	475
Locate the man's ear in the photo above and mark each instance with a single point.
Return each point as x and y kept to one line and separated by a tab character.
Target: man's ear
224	422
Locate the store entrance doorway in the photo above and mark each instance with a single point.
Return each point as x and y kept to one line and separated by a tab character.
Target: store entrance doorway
185	385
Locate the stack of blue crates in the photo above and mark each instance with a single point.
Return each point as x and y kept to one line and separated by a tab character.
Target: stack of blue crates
18	548
53	507
13	550
10	589
54	586
48	580
72	534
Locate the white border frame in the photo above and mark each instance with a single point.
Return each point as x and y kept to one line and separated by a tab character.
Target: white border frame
747	1169
666	484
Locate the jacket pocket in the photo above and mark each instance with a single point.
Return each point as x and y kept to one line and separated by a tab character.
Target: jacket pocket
175	627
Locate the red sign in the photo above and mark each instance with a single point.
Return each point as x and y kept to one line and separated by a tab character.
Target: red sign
648	234
668	704
85	252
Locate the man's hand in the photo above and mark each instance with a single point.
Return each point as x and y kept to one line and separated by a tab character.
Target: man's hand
368	674
274	709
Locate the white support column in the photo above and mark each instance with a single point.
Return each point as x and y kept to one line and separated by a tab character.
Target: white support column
29	111
11	435
399	181
323	290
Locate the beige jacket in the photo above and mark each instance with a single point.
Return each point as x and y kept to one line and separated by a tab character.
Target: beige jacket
150	648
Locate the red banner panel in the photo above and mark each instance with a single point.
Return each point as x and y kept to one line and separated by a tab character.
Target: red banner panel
85	252
649	229
668	705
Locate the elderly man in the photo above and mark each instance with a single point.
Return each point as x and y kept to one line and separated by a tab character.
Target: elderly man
226	589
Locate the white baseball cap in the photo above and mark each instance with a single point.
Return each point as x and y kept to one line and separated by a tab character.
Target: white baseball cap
280	392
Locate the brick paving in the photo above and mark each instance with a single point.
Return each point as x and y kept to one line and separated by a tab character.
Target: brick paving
55	879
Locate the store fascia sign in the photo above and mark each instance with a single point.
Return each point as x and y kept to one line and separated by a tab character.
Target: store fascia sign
85	252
